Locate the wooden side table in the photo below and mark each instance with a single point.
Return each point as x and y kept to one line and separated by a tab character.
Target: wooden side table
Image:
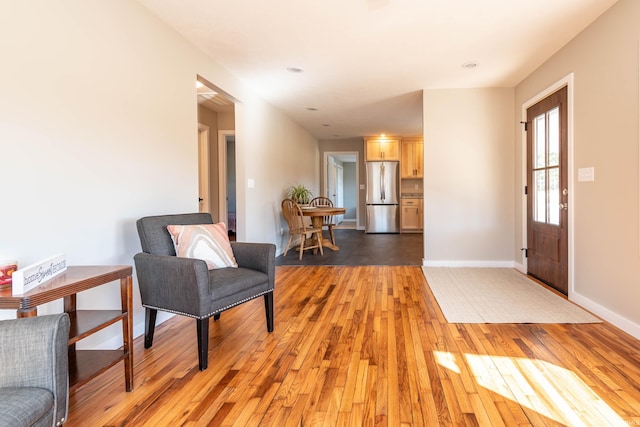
84	365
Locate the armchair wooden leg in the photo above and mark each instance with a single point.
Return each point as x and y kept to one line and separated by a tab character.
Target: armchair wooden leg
203	343
268	308
149	326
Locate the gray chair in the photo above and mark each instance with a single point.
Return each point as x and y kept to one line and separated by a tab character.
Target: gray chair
185	286
34	371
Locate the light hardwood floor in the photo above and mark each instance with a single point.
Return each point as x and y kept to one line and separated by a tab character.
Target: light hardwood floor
365	346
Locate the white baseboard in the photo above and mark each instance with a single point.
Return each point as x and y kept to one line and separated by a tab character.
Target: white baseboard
468	263
614	318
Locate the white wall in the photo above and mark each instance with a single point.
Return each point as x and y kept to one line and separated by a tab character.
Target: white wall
98	127
468	177
276	156
606	247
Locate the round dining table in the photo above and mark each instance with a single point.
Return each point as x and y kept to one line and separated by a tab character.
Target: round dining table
317	213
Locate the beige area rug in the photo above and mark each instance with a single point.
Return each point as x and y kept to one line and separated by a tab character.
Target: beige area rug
499	295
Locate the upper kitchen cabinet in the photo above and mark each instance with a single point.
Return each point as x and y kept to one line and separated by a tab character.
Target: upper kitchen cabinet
411	162
381	148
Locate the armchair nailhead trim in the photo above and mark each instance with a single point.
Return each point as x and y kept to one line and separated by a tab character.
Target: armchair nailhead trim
210	314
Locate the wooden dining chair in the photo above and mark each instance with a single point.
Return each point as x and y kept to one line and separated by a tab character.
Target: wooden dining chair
293	214
327	221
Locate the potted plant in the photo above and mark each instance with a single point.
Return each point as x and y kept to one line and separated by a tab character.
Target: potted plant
300	194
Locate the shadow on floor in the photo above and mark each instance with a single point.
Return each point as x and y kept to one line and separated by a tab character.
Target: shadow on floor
360	248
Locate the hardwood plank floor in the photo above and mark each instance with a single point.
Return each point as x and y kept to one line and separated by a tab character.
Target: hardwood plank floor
368	346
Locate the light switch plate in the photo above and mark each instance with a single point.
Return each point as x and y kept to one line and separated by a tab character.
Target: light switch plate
251	183
586	174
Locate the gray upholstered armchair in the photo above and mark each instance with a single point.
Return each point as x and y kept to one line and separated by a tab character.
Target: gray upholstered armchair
185	285
34	371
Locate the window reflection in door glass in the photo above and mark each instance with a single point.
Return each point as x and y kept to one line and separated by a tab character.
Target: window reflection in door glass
553	200
539	151
540	196
553	155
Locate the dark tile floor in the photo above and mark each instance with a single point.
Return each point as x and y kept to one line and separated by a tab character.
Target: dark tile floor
360	248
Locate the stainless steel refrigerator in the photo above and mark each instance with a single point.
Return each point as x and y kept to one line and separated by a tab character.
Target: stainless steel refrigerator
382	197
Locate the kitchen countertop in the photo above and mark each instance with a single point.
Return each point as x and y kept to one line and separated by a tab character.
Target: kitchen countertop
411	195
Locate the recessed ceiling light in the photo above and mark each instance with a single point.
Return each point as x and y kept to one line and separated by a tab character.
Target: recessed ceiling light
312	109
295	70
470	64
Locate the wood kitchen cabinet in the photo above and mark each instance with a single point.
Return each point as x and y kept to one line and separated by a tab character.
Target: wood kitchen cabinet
411	215
411	164
382	148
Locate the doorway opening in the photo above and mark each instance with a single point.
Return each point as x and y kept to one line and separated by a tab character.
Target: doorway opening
227	180
216	154
204	196
341	186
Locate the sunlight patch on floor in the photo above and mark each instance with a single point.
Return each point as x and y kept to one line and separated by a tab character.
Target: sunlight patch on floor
552	391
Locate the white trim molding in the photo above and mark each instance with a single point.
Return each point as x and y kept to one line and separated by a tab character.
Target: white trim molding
604	313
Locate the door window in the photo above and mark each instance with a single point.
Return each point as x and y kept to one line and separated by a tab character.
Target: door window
546	170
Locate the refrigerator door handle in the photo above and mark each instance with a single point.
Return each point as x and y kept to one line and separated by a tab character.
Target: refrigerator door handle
382	186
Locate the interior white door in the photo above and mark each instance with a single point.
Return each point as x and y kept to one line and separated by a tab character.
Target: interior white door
331	179
339	191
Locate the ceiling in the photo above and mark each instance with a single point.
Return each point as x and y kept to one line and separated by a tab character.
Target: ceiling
349	68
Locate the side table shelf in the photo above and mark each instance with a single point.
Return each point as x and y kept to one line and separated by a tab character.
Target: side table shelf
85	365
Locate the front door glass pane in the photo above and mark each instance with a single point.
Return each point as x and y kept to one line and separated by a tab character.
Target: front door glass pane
540	196
553	116
553	200
539	150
